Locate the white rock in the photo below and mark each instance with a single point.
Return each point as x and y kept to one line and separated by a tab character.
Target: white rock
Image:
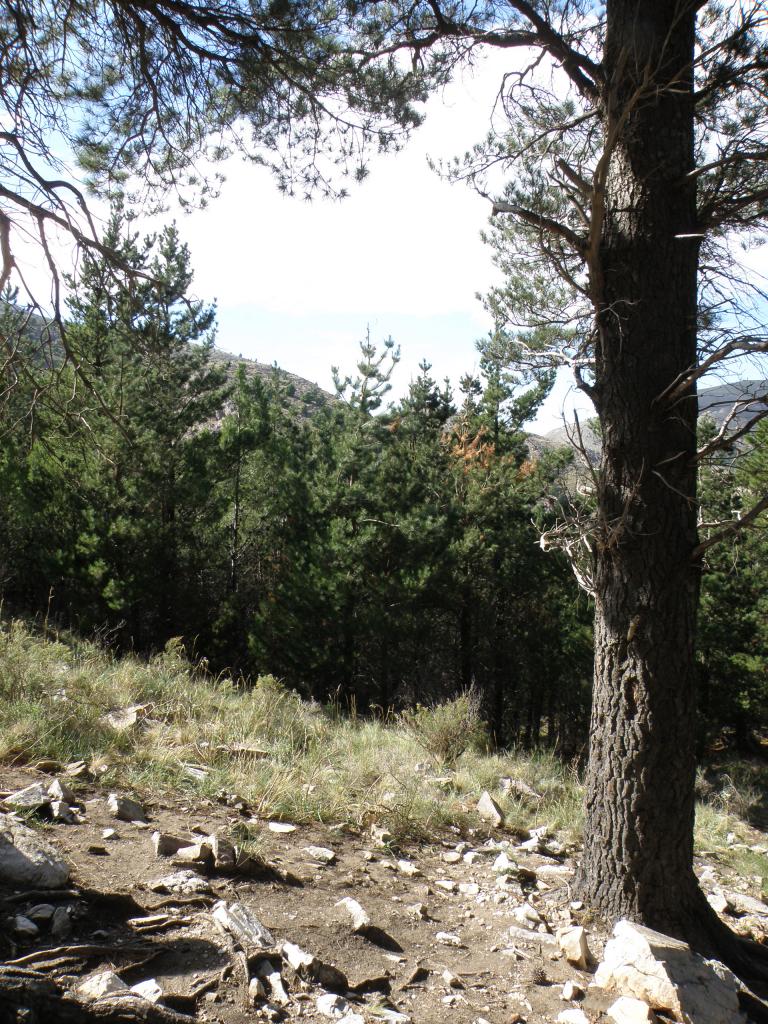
331	1005
451	857
448	939
718	902
572	1017
527	916
125	809
471	857
417	911
312	968
408	868
360	918
664	973
573	942
352	1018
744	904
27	860
281	827
391	1016
109	833
31	798
489	810
571	990
149	990
627	1010
446	884
381	836
503	865
180	883
256	990
469	888
242	923
61	811
451	980
105	983
530	846
321	854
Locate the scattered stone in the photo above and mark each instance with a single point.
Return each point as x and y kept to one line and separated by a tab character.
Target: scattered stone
418	912
194	853
166	845
531	938
223	852
381	836
386	1013
573	942
42	913
256	990
266	971
27	859
109	833
571	991
61	923
469	888
572	1017
97	850
408	868
489	810
31	798
25	928
448	939
451	980
664	973
105	983
125	809
718	902
451	857
418	976
530	846
627	1010
149	990
743	904
446	884
331	1005
181	883
503	865
242	924
281	827
554	871
75	769
61	811
352	1018
360	919
311	968
59	790
122	719
471	857
321	854
527	916
508	786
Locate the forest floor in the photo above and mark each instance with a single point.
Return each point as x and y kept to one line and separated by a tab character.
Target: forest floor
447	940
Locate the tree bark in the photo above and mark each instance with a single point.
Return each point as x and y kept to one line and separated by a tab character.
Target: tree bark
638	854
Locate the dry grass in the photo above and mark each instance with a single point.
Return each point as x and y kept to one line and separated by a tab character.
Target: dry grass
415	775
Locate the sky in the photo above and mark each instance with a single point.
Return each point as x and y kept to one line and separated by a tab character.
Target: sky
301	283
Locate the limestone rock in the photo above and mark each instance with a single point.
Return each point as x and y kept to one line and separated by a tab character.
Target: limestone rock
448	939
166	845
180	883
105	983
281	827
242	924
489	810
360	919
408	868
31	798
61	811
572	1017
664	973
331	1005
149	990
571	991
743	904
627	1010
311	968
573	943
446	884
527	916
266	971
125	809
321	854
27	860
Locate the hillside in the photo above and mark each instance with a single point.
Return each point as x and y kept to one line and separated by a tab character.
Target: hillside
240	854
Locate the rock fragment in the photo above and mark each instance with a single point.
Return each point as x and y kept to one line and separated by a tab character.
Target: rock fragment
664	973
149	990
27	859
125	809
105	983
181	883
573	942
242	924
320	854
331	1005
312	968
360	918
571	991
489	810
31	798
627	1010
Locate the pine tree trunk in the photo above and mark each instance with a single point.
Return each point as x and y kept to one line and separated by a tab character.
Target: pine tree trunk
640	786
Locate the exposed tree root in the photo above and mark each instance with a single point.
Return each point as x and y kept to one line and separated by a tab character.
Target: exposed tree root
45	1002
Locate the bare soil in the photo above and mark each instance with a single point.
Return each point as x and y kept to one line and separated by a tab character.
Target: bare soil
494	975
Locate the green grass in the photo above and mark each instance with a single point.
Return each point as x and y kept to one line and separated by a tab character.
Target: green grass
415	774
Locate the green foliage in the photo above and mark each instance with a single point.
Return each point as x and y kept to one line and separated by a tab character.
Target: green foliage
447	729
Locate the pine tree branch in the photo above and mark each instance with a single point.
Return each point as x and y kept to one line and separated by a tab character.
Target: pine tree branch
730	529
545	224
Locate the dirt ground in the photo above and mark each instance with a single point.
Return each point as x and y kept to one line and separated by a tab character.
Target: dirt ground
438	949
